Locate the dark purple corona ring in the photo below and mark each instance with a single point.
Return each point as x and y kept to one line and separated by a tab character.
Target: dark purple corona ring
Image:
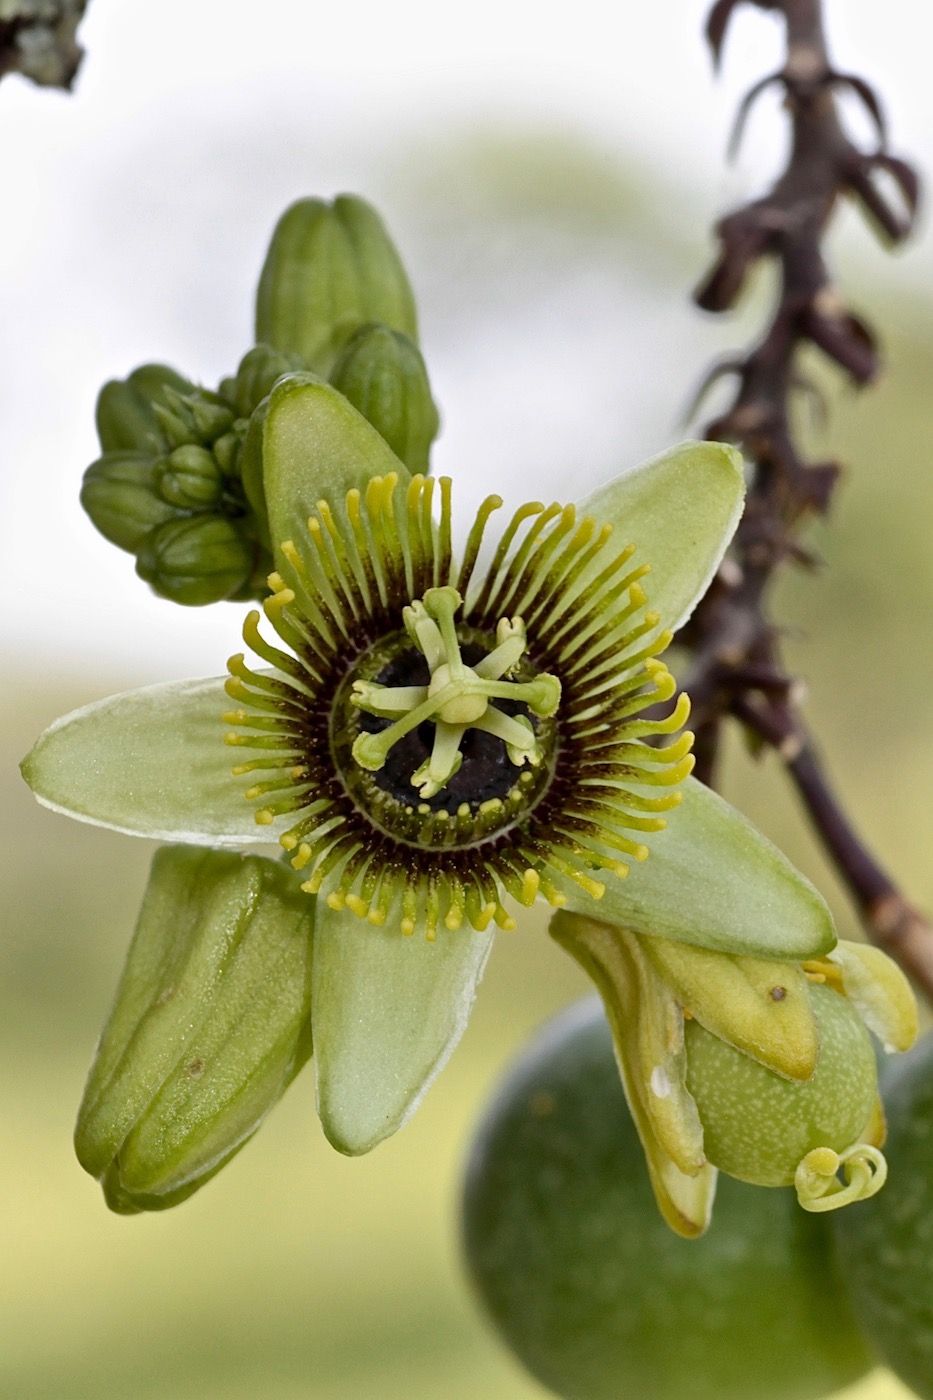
446	734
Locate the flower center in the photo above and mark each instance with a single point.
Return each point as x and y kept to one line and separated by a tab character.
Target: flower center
457	697
429	757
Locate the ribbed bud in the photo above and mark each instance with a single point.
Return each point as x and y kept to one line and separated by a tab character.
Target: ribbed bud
126	416
210	1024
330	269
189	478
383	374
257	373
120	495
197	559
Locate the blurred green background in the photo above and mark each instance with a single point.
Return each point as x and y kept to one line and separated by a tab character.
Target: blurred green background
300	1275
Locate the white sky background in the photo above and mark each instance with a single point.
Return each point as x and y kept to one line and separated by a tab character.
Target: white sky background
136	213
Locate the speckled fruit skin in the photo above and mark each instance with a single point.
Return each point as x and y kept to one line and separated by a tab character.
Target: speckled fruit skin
594	1293
758	1126
886	1244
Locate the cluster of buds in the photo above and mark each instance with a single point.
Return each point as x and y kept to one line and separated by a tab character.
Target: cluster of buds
179	481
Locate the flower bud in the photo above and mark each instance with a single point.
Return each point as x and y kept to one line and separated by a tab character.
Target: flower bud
759	1126
257	372
226	450
210	1024
330	269
126	416
196	560
383	374
189	478
120	495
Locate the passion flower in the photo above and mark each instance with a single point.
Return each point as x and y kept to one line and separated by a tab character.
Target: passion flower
447	730
489	745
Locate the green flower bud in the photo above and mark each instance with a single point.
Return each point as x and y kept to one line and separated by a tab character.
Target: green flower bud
759	1126
258	371
212	418
126	409
592	1291
210	1024
120	495
189	478
227	450
383	375
329	270
196	560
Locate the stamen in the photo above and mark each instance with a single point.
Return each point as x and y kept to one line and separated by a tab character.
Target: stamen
818	1186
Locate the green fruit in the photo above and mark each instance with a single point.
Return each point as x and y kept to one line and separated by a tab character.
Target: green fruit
595	1294
758	1126
886	1244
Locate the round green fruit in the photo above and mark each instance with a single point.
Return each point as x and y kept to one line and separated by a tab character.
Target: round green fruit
590	1288
886	1244
758	1126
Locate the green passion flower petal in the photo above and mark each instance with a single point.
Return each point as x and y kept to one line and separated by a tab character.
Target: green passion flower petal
150	762
561	610
387	1014
682	507
713	880
309	442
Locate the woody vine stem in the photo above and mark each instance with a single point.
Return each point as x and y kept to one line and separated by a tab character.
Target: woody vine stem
736	667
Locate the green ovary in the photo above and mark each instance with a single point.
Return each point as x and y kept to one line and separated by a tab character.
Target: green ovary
757	1126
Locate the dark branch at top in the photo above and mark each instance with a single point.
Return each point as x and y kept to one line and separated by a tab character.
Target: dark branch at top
737	670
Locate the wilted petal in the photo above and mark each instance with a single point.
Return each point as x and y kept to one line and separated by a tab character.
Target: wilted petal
758	1005
879	991
647	1032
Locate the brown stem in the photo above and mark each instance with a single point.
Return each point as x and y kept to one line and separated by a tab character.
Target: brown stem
736	665
889	919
